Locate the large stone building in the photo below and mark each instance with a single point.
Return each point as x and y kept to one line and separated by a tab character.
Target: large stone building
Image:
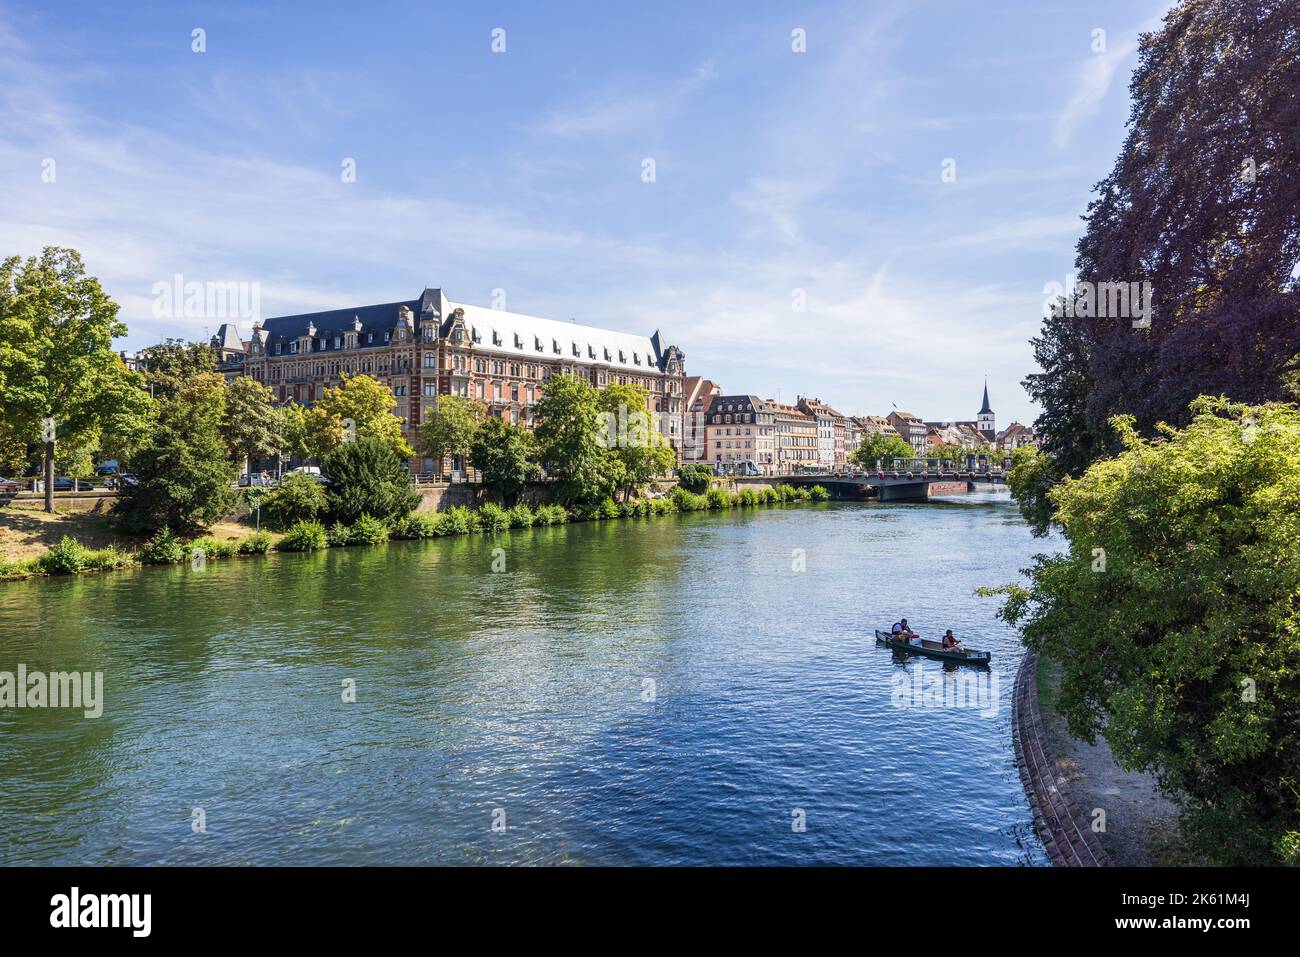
741	428
432	346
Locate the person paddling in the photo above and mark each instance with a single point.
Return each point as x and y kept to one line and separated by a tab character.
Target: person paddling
902	631
950	642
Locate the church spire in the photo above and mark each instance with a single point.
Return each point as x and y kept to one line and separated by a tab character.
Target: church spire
984	409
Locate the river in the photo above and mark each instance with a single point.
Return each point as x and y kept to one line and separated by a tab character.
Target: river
694	689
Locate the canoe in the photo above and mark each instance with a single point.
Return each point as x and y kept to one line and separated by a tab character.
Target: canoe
933	649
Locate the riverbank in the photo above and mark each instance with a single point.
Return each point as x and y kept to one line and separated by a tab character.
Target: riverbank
85	541
1068	782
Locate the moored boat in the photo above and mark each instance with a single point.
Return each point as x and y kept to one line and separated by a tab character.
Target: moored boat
933	649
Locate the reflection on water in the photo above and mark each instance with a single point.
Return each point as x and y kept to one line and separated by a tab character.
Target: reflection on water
668	691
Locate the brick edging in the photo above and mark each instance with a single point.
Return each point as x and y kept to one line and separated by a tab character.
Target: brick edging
1066	835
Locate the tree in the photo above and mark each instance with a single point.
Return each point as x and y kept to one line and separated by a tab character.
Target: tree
367	478
1174	617
630	433
252	426
183	474
170	364
449	428
695	478
1203	205
57	362
367	404
506	456
568	422
298	498
881	446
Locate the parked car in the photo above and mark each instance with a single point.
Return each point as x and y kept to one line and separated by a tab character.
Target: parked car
63	483
312	471
257	480
9	486
107	467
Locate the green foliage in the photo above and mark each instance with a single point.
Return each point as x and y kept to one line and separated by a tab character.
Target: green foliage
521	516
819	493
366	478
18	569
304	537
748	498
57	327
417	526
568	422
163	549
259	543
449	427
457	520
695	478
718	498
883	447
635	448
252	425
108	559
551	515
66	558
298	498
363	401
1174	617
338	535
493	518
172	363
183	471
506	455
369	531
685	501
213	547
1032	476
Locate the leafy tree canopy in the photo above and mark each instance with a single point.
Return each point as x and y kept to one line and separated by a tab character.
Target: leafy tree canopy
367	478
1175	617
449	427
506	455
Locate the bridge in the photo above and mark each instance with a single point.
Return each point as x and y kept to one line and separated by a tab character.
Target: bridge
899	481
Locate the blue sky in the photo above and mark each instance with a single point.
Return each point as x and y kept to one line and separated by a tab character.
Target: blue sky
779	176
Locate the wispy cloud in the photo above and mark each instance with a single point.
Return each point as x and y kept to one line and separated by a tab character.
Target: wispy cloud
627	111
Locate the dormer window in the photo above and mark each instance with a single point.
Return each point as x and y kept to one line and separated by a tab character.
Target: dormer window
473	330
576	351
555	346
636	357
606	354
621	356
496	338
519	341
591	351
537	343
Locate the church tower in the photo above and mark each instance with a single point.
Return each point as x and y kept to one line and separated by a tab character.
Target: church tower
984	421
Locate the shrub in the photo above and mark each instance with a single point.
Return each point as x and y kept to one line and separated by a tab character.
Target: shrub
785	493
338	535
551	515
493	518
304	537
747	498
367	478
298	498
521	516
770	496
718	498
457	520
18	569
819	493
109	558
163	549
213	548
695	478
420	525
258	543
66	558
369	531
687	501
662	506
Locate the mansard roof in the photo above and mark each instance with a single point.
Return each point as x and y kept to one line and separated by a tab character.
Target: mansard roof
492	330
